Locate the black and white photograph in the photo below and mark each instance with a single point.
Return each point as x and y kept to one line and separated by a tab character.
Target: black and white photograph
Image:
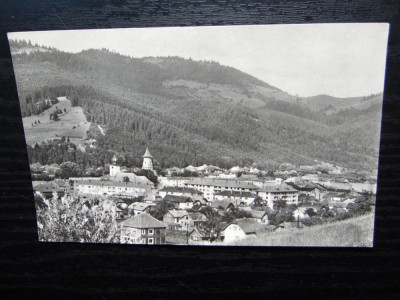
242	135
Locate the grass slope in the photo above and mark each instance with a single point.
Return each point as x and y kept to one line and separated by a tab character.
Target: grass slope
49	129
355	232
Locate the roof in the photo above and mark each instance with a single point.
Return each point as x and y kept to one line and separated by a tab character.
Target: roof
304	188
143	221
333	188
334	194
133	178
184	190
177	178
202	200
147	154
249	225
177	199
278	188
222	182
61	182
110	183
197	216
86	178
235	194
224	204
139	206
196	207
45	187
258	214
115	200
178	213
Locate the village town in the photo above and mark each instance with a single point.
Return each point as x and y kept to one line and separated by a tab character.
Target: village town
207	205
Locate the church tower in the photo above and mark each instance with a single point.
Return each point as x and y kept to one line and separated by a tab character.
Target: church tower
147	161
114	168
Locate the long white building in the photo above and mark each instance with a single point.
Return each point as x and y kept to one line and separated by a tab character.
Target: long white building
107	188
210	186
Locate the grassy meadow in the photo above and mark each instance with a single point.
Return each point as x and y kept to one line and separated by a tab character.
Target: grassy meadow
354	232
50	129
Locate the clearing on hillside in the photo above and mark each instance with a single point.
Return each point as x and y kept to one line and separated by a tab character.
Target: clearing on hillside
71	124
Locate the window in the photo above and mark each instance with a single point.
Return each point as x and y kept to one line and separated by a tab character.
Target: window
151	231
150	241
143	231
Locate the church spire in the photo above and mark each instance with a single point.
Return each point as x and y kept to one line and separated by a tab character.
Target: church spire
147	154
147	161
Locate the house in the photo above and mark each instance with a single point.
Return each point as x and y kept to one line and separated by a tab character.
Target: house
140	208
178	191
334	196
63	184
238	197
195	237
240	229
47	189
143	229
180	202
151	198
199	237
198	219
222	205
178	220
260	216
276	192
119	213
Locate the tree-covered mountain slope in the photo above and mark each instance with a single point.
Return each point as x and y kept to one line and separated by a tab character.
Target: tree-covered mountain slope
194	112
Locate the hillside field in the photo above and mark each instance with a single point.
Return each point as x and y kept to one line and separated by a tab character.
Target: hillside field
354	232
50	129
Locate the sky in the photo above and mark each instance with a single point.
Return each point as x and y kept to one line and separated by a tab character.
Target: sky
342	60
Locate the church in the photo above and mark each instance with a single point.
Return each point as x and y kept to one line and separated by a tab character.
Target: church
118	182
116	174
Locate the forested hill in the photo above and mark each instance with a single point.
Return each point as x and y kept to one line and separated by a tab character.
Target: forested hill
196	112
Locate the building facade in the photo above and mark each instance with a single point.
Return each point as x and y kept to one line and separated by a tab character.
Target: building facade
104	188
143	229
209	187
273	193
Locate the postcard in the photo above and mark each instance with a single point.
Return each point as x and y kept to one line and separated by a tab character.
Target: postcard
256	135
